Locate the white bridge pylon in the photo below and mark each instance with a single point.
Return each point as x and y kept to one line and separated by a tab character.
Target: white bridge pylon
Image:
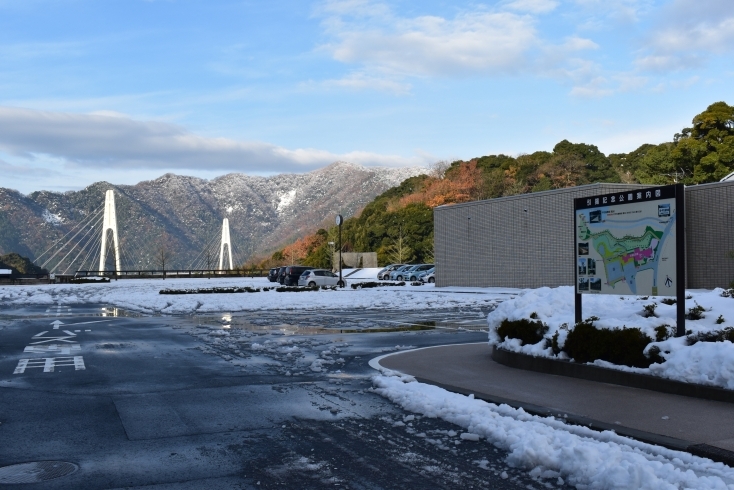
225	241
109	223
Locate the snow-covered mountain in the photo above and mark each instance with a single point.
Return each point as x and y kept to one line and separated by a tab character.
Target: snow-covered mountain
263	212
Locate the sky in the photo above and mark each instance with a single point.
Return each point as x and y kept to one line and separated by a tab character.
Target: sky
124	91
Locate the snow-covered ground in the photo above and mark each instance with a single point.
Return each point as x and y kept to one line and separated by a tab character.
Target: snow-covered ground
708	363
142	295
554	451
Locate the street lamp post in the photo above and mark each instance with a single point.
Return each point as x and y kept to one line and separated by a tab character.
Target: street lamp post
331	256
339	221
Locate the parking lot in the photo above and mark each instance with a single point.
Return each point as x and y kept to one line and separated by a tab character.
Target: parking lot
249	400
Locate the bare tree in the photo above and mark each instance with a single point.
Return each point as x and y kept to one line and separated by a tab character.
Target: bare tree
163	252
399	252
438	169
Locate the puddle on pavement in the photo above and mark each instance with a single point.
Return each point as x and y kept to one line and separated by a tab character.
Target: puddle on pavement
229	321
53	311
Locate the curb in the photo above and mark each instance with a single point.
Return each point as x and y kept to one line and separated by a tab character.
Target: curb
701	450
611	376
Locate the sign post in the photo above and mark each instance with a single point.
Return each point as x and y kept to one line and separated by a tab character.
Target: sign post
631	243
339	221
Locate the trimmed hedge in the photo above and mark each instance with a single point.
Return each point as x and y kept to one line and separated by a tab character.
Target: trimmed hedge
82	280
586	343
375	284
209	290
529	332
713	336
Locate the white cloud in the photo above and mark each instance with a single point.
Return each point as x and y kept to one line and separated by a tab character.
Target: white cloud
116	141
470	43
612	84
480	42
361	81
619	11
687	34
532	6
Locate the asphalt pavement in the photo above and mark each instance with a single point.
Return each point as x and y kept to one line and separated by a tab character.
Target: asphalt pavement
94	398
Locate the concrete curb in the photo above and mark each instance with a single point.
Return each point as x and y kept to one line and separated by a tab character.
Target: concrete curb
701	450
611	376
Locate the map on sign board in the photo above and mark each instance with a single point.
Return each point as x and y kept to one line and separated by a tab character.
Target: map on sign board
626	243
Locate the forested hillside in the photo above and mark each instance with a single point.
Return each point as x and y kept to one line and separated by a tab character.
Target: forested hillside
398	224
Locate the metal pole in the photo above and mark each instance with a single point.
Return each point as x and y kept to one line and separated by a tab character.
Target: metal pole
341	283
680	253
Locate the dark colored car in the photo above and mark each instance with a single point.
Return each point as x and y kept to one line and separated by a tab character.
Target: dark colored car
292	273
281	274
273	274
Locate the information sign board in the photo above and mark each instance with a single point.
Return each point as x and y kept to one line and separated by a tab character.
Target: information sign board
630	243
626	243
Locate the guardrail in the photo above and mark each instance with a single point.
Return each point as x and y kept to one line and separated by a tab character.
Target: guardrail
174	273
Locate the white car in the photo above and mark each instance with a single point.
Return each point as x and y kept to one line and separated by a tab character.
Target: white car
318	277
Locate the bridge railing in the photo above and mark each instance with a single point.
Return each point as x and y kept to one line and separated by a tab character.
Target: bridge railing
174	273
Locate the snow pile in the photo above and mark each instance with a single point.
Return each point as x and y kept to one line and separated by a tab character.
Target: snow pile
708	363
550	449
368	274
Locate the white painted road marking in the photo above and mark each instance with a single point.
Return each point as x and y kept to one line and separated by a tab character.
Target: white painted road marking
53	349
51	339
39	334
56	324
49	363
87	323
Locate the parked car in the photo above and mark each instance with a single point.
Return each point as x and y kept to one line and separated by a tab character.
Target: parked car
428	276
398	274
281	274
318	277
412	273
384	274
293	273
273	274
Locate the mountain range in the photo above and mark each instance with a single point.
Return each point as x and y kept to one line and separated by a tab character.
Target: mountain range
181	217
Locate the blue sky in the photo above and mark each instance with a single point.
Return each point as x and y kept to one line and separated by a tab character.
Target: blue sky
125	91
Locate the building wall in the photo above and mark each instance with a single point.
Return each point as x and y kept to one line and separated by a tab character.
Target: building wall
526	241
710	235
364	260
523	241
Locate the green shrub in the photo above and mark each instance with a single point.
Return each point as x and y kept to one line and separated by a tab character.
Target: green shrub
649	310
376	284
696	312
720	320
295	289
668	301
527	331
663	332
654	355
586	343
712	336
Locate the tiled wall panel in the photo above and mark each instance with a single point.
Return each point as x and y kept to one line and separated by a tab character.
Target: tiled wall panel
523	241
526	241
710	235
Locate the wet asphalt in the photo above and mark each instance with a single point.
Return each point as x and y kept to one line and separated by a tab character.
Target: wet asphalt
254	400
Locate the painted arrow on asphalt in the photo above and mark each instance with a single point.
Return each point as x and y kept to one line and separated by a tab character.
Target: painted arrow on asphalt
56	324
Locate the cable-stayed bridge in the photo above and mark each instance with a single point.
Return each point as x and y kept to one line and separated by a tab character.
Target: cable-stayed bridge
100	245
